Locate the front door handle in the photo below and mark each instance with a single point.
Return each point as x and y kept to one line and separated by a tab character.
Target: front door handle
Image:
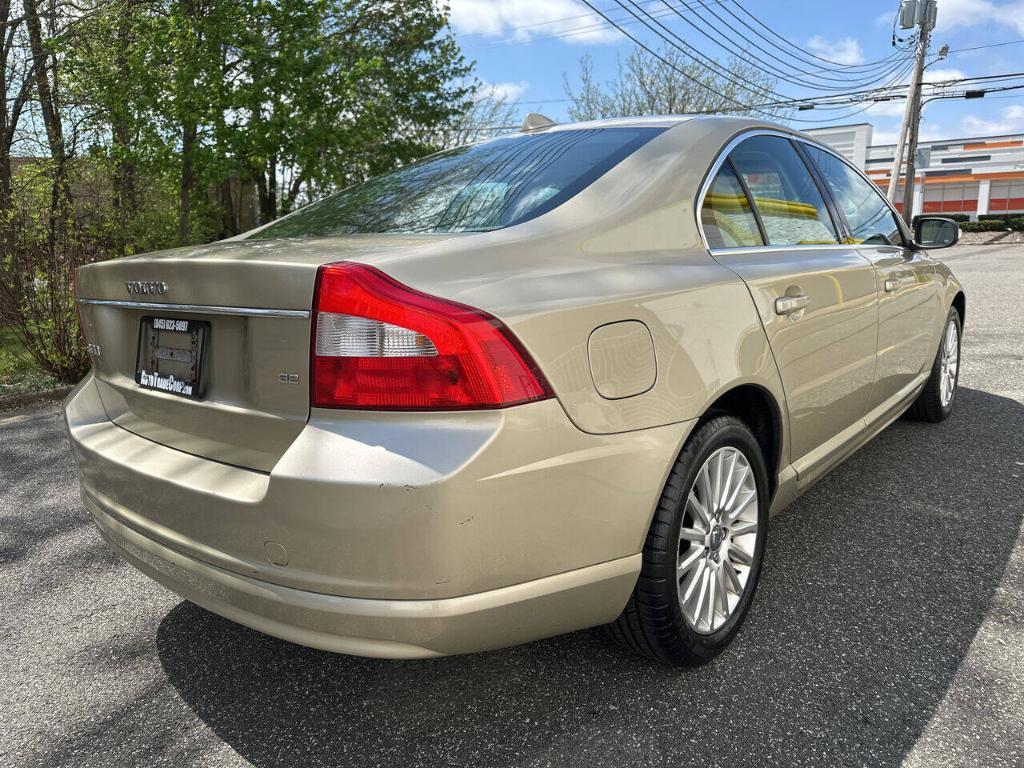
894	283
787	305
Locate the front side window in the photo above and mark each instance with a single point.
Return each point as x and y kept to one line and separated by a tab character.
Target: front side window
871	221
787	199
726	214
477	188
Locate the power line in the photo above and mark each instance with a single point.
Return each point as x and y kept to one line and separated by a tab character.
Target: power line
775	34
688	76
710	65
890	65
989	45
882	68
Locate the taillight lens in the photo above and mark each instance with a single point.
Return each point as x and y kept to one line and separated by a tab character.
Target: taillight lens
378	344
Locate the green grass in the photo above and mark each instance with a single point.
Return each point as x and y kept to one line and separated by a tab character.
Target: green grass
19	373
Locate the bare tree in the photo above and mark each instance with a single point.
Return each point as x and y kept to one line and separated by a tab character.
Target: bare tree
486	117
667	84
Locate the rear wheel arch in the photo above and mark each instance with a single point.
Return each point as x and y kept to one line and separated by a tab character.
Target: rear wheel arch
756	407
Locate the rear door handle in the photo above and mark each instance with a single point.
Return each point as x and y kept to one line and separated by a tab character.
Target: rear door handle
787	305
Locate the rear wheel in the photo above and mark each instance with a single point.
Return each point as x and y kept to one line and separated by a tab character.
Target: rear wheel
703	552
935	403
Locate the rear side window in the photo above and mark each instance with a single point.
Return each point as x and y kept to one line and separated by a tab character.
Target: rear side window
478	188
726	214
786	197
871	221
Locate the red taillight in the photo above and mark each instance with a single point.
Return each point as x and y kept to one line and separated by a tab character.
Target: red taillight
381	345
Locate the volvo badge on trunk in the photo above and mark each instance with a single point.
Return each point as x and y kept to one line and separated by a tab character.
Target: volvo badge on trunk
146	288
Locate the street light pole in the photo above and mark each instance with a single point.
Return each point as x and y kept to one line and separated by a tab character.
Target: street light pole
922	14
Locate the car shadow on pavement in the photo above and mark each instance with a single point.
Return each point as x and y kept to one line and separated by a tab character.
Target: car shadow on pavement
875	584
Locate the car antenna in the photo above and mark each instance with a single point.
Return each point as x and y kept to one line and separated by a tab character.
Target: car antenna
535	121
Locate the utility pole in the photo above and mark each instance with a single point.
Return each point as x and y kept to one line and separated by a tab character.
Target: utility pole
919	13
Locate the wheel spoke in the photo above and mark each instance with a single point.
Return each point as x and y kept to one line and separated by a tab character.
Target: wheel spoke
702	592
695	579
704	481
743	528
735	514
732	576
723	598
736	491
716	496
693	556
692	534
709	603
703	515
727	481
741	556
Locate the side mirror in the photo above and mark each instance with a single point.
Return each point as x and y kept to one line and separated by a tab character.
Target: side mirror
935	232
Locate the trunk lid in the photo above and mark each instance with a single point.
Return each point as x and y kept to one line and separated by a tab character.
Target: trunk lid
253	299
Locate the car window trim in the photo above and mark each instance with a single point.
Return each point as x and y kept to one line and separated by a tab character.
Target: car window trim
723	155
839	222
900	224
750	201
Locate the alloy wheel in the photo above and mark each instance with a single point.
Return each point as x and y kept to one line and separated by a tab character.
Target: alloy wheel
949	364
717	540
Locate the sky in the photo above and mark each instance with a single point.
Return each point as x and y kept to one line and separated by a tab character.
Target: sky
524	49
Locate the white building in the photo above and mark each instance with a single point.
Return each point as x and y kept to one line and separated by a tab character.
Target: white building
974	176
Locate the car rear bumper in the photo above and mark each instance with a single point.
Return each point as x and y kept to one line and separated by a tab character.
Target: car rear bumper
396	629
388	535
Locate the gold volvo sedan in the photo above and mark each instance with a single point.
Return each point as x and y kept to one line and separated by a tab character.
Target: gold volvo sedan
550	381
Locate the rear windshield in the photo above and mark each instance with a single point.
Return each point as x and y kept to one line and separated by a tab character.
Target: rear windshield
470	189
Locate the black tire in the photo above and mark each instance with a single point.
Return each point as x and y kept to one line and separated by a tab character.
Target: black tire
652	623
928	405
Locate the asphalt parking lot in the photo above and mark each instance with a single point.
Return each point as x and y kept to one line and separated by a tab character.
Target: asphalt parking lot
888	628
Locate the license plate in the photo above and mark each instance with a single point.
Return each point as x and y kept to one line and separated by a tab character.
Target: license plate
172	356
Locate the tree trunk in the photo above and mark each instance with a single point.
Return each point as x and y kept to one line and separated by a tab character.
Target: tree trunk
189	135
125	196
46	91
266	182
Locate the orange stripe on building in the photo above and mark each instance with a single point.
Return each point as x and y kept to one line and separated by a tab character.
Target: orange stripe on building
992	145
950	179
1001	175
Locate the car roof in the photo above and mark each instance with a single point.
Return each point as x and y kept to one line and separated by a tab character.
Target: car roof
653	121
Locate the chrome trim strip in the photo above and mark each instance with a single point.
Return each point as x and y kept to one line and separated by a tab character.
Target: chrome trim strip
741	249
201	309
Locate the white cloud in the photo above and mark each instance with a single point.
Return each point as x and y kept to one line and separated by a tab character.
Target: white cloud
509	92
942	75
927	133
894	108
846	50
957	14
524	20
1011	120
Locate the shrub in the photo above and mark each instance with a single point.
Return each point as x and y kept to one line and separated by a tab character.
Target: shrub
992	217
1016	223
988	225
958	217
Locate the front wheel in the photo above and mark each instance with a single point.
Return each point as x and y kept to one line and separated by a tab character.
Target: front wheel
935	403
703	553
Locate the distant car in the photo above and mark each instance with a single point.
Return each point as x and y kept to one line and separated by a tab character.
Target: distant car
550	381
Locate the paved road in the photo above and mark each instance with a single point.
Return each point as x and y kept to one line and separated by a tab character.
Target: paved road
889	628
